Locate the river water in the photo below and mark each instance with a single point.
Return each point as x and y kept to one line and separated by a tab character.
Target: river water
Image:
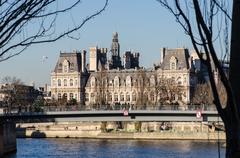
108	148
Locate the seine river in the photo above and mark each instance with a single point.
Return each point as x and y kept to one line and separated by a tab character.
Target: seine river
101	148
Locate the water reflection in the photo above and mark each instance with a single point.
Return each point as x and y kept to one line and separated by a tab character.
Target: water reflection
103	148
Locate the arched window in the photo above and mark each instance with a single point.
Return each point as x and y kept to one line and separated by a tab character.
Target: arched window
152	96
134	98
116	81
152	81
72	66
179	80
115	97
180	97
128	81
121	96
76	82
71	82
128	97
173	63
65	96
145	97
59	82
65	82
71	96
60	66
93	82
109	97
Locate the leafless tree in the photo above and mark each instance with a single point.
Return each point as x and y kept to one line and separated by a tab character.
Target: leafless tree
199	21
167	90
101	88
11	80
17	94
142	84
202	95
27	22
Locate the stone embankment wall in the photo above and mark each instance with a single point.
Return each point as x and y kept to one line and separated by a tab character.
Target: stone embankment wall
7	137
116	130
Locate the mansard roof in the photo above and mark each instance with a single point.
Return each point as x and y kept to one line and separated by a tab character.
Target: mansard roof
74	60
181	55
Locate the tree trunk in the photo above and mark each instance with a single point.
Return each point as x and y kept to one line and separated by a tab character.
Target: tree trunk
233	124
232	139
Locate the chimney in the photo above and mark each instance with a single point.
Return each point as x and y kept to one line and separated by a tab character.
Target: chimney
163	51
83	60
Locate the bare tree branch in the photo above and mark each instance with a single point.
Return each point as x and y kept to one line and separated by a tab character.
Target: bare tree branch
16	16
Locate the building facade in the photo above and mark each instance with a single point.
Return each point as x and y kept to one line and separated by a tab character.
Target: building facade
111	82
69	77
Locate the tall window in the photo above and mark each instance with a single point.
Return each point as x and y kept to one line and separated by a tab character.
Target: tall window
92	97
87	97
116	81
128	97
71	82
109	97
121	96
59	82
152	96
65	82
115	97
134	98
76	82
71	96
128	81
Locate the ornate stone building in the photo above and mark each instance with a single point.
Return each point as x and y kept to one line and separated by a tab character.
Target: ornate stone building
109	82
144	87
69	77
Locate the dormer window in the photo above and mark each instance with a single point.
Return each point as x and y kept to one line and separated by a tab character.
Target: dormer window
60	66
173	63
65	66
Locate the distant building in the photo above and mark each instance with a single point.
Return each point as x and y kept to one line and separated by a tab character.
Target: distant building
18	94
109	82
46	91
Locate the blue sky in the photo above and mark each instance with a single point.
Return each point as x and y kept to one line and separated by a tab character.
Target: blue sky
143	26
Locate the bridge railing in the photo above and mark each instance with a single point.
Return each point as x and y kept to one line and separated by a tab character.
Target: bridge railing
112	107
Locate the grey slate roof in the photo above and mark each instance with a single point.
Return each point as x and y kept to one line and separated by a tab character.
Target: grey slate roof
73	58
182	56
